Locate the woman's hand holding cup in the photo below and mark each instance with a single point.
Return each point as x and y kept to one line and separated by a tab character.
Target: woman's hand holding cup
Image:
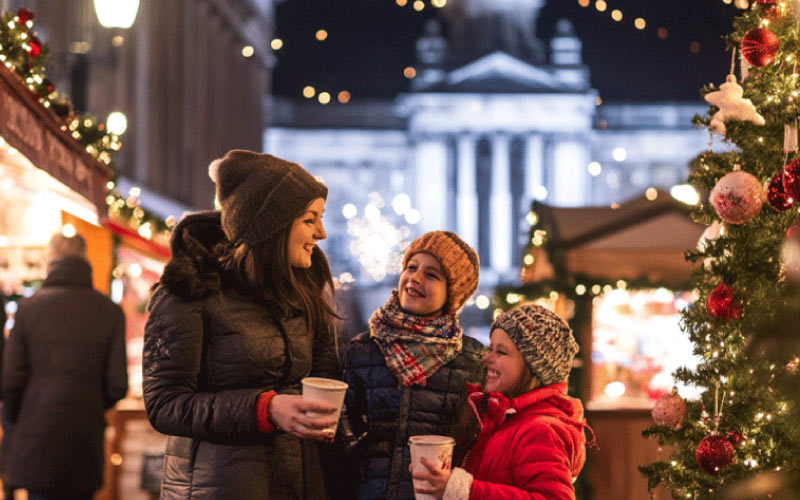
289	413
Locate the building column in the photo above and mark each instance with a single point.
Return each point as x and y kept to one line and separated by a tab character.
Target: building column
570	185
500	204
534	166
430	161
467	194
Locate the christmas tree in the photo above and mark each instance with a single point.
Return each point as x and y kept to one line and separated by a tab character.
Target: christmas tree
745	423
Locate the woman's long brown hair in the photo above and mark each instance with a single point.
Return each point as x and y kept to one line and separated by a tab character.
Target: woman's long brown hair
265	268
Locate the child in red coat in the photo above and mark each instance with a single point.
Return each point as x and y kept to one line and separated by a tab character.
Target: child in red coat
531	443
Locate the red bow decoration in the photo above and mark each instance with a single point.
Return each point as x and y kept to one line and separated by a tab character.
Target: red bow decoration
490	408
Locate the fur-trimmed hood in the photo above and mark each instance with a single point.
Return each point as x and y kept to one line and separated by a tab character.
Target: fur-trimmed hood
193	272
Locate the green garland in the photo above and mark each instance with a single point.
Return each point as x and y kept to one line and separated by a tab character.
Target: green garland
22	52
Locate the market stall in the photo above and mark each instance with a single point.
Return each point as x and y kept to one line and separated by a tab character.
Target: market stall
619	275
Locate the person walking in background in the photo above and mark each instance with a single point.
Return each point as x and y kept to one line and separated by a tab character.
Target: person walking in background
237	319
531	442
407	373
64	364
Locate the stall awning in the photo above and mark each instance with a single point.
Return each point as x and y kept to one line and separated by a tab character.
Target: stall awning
638	239
32	130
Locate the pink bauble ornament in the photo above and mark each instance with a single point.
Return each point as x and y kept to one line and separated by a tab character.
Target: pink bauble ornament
759	46
737	197
669	410
791	178
713	453
777	197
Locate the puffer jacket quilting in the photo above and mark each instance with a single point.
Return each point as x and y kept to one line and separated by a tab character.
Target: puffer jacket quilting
384	416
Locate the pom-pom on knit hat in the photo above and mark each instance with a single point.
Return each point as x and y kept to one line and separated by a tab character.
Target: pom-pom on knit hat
261	194
458	260
544	339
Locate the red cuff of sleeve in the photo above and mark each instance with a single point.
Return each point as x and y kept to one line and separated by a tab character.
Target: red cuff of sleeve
262	412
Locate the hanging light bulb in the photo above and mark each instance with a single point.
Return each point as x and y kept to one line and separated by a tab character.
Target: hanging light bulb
116	13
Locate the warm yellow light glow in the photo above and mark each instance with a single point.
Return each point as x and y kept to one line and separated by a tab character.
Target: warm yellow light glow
68	230
595	169
410	72
438	3
324	98
482	301
601	5
309	92
344	97
640	23
651	194
117	122
276	44
419	5
322	35
616	15
528	259
401	3
583	3
248	51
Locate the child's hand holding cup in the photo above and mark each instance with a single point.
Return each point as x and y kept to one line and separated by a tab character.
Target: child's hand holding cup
437	450
325	390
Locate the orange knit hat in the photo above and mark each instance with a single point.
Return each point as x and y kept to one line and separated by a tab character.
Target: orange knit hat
458	260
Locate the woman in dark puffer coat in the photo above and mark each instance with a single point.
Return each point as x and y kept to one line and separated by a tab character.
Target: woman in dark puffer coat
236	321
407	375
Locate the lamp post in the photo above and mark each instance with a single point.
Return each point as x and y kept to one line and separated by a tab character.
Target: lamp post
116	13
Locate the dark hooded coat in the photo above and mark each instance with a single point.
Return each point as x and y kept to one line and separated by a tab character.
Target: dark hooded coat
64	365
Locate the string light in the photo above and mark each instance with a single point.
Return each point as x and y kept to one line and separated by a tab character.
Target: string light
601	5
419	5
321	35
276	44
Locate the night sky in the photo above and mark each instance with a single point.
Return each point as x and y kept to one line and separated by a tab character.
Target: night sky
370	42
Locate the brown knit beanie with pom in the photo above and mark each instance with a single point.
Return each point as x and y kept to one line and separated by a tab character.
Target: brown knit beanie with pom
458	260
544	339
261	194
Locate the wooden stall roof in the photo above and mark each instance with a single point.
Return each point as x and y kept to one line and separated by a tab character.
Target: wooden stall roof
36	133
639	239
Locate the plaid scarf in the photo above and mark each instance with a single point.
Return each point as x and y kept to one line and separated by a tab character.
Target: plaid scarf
414	347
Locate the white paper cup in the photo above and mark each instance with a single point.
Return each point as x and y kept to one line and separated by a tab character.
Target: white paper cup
325	390
437	449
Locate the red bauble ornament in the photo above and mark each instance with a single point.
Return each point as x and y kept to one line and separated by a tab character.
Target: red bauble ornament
737	197
669	410
35	47
713	453
735	437
723	304
24	15
777	197
759	46
791	178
